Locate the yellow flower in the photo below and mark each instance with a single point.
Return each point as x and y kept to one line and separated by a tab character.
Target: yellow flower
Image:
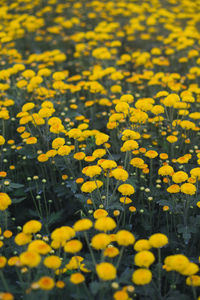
98	153
179	177
125	238
6	296
141	245
126	189
164	156
31	140
59	76
142	276
158	240
108	164
92	171
28	106
22	239
116	88
129	146
3	261
7	234
79	155
46	283
128	134
58	142
90	186
51	153
188	188
165	208
13	261
105	224
52	262
5	201
121	295
173	189
176	262
60	284
74	133
193	280
166	170
106	271
125	200
171	99
172	139
157	109
64	150
137	162
42	157
151	154
77	278
122	107
99	213
63	234
101	138
187	125
73	246
32	226
74	263
39	246
191	269
46	112
28	73
127	98
195	172
83	224
100	241
30	259
144	259
3	174
120	174
111	251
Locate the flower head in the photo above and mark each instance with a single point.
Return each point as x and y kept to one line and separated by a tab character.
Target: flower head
5	201
46	283
158	240
126	189
105	224
142	276
106	271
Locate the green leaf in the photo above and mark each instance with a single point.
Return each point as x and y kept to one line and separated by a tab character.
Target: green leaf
186	237
54	217
177	295
95	286
18	200
125	276
16	185
165	202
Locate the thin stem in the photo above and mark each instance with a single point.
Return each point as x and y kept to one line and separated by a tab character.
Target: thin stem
120	257
4	281
89	247
159	271
194	293
107	188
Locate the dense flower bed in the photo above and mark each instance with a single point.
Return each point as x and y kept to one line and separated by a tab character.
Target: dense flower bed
99	149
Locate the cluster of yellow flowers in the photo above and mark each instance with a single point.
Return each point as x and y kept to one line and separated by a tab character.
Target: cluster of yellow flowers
99	143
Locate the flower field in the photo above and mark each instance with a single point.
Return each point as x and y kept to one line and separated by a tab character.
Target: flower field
100	150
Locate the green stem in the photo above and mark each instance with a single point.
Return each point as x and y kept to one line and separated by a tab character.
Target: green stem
107	189
159	271
194	293
6	219
120	257
4	281
89	247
